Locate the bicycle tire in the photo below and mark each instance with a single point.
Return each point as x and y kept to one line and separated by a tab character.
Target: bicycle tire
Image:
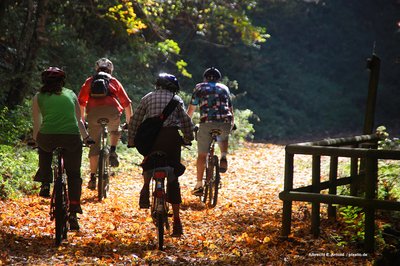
61	212
209	175
214	184
160	218
101	174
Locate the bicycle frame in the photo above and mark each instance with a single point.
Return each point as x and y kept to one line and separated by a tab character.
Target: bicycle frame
59	204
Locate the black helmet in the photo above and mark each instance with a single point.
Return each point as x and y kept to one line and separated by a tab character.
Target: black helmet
168	82
212	74
53	74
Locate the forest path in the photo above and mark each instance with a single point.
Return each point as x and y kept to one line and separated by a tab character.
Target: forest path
243	228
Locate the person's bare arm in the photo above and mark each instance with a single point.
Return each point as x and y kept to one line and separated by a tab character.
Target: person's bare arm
79	117
191	110
37	117
128	113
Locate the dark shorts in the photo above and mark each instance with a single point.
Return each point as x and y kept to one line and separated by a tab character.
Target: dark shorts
72	145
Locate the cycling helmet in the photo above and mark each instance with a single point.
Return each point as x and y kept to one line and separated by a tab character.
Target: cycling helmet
53	74
167	81
212	74
104	64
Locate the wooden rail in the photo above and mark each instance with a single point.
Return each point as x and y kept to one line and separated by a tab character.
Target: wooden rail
368	175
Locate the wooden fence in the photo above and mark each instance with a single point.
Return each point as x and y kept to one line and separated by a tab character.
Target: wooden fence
363	169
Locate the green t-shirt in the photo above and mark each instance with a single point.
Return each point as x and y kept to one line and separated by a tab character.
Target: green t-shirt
58	112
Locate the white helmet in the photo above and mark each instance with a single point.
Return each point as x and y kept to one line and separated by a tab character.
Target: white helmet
104	64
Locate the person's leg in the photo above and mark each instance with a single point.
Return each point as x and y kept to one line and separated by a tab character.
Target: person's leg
72	162
144	199
223	163
114	117
94	132
114	138
203	142
223	143
174	197
44	174
200	167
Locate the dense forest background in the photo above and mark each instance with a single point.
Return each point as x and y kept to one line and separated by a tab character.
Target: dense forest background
299	66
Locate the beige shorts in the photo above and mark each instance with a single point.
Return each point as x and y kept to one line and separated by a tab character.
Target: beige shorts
94	114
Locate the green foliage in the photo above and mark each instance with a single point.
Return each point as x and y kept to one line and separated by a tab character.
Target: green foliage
15	124
388	180
353	218
389	171
17	167
385	142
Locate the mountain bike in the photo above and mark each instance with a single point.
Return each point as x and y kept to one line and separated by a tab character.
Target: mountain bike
59	204
159	207
212	176
103	169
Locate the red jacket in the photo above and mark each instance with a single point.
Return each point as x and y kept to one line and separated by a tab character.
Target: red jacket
118	97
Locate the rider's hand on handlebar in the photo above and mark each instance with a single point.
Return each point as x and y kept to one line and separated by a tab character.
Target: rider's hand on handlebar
124	126
31	143
130	144
186	142
88	141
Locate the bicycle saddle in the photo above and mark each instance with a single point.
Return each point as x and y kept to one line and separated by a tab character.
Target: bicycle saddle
215	132
103	120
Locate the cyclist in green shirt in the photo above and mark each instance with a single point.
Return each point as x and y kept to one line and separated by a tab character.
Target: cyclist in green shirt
57	123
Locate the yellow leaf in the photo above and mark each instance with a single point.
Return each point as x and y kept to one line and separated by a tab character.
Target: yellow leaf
266	239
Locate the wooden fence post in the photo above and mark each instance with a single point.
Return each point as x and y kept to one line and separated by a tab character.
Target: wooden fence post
316	180
332	184
287	204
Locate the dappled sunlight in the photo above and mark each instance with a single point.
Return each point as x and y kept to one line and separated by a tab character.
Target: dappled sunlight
243	228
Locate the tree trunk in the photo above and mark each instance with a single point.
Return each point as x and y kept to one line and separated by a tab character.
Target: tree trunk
28	46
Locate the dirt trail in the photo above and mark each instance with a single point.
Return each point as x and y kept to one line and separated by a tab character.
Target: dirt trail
243	229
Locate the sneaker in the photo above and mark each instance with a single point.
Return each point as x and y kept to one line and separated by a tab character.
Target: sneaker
114	159
73	222
45	190
92	183
144	201
223	165
197	191
177	230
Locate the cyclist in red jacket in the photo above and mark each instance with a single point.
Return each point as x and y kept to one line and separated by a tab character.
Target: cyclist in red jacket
110	106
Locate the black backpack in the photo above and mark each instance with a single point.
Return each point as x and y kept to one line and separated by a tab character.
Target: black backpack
100	85
147	131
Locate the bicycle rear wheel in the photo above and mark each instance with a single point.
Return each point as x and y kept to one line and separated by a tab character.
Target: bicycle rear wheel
160	218
61	211
214	184
102	185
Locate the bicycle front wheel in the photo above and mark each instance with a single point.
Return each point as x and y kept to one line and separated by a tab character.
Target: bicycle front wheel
214	184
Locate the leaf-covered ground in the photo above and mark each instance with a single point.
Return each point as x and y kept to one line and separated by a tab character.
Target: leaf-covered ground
243	229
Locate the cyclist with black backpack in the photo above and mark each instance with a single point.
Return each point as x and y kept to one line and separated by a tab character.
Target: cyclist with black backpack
168	139
103	96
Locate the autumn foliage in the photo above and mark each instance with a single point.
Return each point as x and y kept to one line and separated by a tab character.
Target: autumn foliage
243	229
